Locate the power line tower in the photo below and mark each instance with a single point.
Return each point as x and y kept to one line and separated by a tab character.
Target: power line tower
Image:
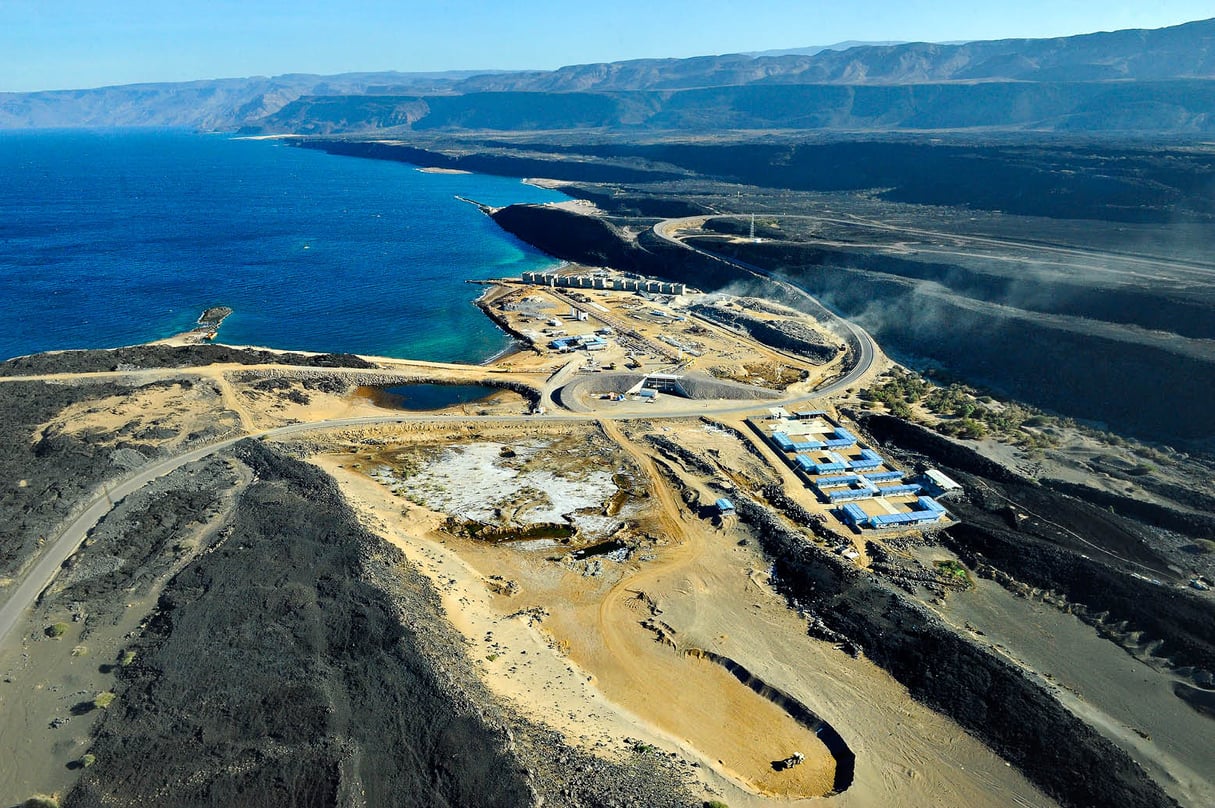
753	227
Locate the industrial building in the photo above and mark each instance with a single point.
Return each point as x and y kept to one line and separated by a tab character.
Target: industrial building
588	342
670	383
605	282
818	449
926	512
938	484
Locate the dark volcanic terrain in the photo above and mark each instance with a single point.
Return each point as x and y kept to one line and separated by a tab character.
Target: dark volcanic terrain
1072	274
248	630
237	635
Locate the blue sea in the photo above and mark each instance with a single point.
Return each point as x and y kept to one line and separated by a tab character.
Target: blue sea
114	238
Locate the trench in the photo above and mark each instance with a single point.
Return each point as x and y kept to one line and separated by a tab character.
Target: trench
845	758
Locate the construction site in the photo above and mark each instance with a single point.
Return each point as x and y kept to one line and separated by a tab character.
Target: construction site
862	489
614	322
653	536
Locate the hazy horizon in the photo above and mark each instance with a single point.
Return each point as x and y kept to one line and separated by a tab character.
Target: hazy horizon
79	45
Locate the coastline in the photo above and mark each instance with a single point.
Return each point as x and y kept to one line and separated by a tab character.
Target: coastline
390	320
205	330
519	342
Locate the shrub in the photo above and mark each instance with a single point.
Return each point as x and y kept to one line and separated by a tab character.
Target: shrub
952	570
104	699
715	804
87	760
127	658
57	630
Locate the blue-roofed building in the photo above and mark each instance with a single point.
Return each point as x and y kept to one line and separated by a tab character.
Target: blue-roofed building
849	494
853	515
868	459
899	490
883	476
929	504
843	434
925	515
828	468
841	439
724	506
783	441
841	481
893	520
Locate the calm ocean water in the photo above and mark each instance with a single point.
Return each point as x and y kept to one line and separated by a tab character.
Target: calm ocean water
115	238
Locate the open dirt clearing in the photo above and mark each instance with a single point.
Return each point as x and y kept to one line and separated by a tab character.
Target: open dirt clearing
608	649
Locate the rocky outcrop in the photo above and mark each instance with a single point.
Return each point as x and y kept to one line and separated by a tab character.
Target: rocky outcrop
166	356
987	696
784	335
292	666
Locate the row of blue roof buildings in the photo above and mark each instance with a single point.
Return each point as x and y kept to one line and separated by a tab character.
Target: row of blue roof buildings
846	479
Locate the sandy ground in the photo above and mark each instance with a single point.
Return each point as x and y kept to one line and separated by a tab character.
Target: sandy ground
606	649
570	649
541	650
166	414
1122	697
44	680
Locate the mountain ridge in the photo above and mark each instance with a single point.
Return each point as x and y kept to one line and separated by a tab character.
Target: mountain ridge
1106	81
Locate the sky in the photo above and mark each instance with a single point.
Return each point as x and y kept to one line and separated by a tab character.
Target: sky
68	44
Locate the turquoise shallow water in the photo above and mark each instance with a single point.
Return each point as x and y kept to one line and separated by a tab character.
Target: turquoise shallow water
113	238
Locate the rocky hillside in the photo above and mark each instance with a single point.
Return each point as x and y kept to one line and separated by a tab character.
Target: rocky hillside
302	661
1183	51
1134	80
1157	106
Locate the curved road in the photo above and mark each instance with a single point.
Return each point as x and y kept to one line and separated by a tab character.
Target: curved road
73	535
868	348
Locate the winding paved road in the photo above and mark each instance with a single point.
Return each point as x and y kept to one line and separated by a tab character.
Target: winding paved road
867	351
44	570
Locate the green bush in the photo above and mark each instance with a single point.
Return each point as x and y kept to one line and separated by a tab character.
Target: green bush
87	760
715	804
952	570
127	658
57	630
104	699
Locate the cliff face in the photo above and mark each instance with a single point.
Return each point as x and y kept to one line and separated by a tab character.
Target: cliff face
1136	381
1135	80
1172	105
594	241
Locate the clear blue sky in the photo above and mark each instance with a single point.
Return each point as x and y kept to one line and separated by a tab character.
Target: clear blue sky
55	44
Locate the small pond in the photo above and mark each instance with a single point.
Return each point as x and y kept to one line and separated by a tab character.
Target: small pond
423	397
